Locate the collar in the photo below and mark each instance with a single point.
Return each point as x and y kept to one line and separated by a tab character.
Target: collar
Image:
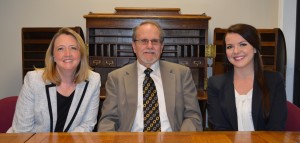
155	67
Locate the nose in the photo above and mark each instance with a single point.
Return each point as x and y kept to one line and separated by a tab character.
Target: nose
149	44
67	52
236	49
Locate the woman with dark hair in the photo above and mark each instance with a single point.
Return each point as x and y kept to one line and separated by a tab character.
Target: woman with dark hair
246	98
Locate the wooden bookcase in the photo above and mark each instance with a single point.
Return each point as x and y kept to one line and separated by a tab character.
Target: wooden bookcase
35	42
109	37
273	50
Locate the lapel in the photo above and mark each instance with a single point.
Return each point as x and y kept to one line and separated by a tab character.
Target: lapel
77	95
52	109
256	103
168	81
52	100
228	100
131	92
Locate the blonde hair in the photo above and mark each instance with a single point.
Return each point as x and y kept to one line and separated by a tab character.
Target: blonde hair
50	72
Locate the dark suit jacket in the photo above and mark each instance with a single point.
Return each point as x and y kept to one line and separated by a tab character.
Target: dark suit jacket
222	113
120	105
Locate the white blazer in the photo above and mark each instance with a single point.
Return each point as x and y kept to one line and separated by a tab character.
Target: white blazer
32	110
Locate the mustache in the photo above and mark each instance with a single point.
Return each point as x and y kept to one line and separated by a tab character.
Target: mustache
150	51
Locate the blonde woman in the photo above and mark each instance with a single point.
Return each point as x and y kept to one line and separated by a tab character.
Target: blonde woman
63	96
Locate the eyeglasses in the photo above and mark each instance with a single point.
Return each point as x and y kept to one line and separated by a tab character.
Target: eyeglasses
146	41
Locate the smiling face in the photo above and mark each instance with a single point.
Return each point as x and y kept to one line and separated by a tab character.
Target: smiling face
147	52
240	53
66	53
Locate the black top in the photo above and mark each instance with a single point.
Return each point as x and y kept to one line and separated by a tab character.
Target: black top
63	107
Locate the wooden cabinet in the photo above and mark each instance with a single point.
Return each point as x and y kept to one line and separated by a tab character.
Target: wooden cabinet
273	50
109	37
35	42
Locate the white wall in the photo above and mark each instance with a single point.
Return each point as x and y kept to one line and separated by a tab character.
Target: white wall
15	14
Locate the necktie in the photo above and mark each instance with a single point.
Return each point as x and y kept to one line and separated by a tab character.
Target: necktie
150	103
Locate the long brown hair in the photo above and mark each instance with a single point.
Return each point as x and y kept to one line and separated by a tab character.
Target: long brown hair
250	34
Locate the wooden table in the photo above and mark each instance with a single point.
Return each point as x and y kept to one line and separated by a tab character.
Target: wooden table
162	137
15	138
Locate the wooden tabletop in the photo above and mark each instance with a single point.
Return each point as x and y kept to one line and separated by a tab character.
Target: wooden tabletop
161	137
15	138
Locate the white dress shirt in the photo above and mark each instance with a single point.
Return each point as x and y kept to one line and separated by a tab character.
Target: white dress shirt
244	111
138	124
